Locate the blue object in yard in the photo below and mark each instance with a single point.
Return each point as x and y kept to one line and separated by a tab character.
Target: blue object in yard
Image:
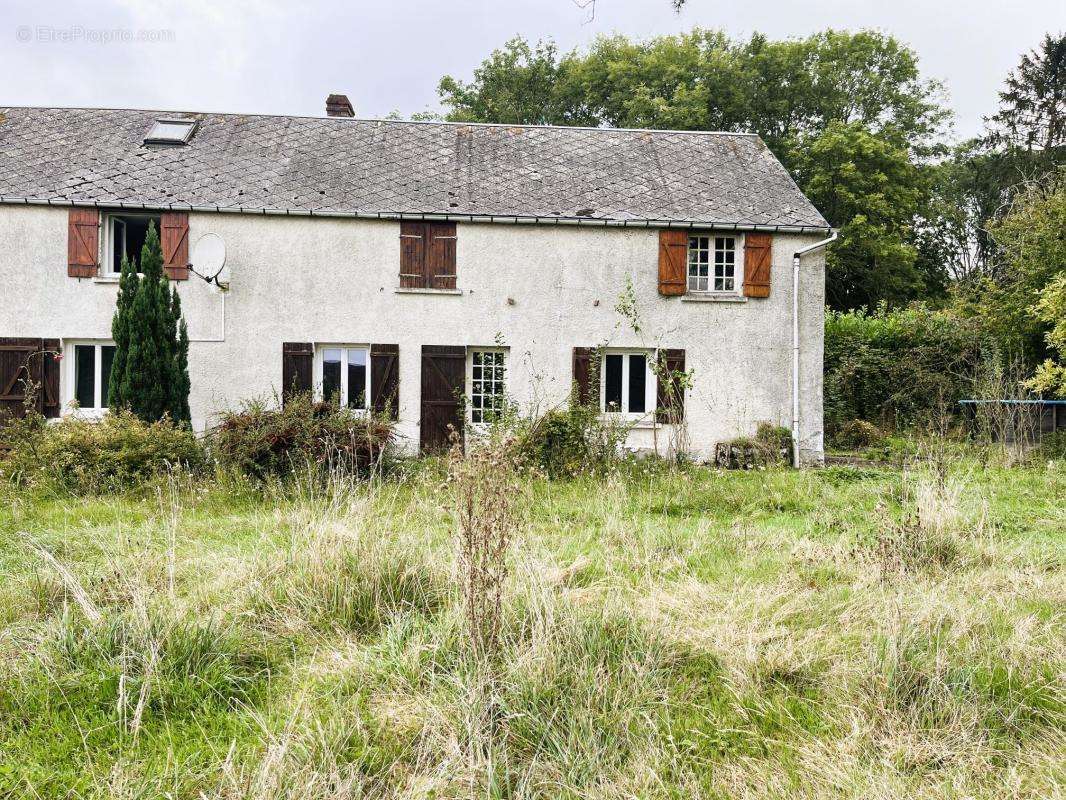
1032	418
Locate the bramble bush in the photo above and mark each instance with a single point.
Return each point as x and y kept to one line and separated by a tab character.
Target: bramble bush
892	367
116	452
263	440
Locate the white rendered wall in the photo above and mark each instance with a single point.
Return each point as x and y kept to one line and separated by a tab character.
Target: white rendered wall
540	290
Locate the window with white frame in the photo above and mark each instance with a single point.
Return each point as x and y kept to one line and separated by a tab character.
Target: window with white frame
89	373
343	373
712	263
124	236
488	384
626	383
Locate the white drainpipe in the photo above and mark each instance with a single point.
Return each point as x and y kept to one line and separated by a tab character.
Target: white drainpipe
796	342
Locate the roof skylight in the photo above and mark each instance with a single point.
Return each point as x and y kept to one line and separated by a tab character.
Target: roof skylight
171	131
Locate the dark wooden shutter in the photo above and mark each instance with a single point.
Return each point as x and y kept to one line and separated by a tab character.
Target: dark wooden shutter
757	248
673	261
297	360
50	369
443	381
174	241
385	379
412	255
83	242
670	393
586	375
20	365
440	255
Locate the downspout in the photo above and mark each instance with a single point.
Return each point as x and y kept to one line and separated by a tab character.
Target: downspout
796	342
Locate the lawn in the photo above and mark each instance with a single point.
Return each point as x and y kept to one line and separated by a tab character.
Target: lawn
841	632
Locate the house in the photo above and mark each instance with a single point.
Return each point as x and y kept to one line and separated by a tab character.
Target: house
409	265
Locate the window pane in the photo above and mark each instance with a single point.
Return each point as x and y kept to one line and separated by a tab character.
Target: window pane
612	372
107	358
331	375
85	375
357	379
118	243
638	380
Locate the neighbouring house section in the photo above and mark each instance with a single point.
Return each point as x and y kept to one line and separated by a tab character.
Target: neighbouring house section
435	272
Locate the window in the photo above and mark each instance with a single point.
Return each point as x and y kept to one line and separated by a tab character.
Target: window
125	237
171	131
488	374
343	374
626	383
427	256
712	263
91	374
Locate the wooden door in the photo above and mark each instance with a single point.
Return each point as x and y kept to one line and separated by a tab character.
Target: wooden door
21	361
443	380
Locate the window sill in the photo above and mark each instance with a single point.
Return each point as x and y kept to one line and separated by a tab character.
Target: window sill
713	298
642	422
429	291
106	278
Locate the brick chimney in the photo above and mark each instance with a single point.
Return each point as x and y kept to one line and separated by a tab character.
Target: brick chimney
338	105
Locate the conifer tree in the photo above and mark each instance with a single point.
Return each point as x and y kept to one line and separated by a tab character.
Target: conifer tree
149	374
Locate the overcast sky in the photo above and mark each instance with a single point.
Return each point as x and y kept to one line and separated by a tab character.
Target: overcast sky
284	58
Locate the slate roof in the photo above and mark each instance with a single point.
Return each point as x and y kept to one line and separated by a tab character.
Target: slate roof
384	168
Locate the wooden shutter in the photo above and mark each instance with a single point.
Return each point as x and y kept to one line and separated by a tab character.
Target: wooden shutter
83	242
385	379
20	364
440	255
443	381
412	255
673	261
757	248
174	241
50	369
586	376
670	393
297	360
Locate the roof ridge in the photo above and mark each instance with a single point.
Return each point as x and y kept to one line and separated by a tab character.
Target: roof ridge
344	120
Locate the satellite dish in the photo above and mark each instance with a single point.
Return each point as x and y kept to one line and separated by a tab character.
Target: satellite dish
209	260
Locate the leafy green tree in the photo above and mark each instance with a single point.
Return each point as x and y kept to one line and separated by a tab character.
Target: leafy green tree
149	374
1050	377
870	190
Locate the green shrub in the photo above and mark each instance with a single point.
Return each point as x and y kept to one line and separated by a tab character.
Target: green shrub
566	442
858	434
893	367
118	451
262	441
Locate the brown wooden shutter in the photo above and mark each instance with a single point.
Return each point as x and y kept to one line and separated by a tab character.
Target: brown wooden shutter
83	242
385	379
20	365
440	255
412	255
757	248
50	369
297	360
586	376
443	382
673	261
670	393
174	240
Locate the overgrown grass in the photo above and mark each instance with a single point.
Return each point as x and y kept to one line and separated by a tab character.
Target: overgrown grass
665	633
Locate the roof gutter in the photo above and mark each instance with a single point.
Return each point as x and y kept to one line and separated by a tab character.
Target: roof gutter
796	341
529	219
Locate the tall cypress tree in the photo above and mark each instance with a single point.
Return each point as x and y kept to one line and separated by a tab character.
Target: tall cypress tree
120	332
149	375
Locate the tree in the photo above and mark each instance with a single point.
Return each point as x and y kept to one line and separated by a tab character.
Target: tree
850	88
870	190
1032	112
149	374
